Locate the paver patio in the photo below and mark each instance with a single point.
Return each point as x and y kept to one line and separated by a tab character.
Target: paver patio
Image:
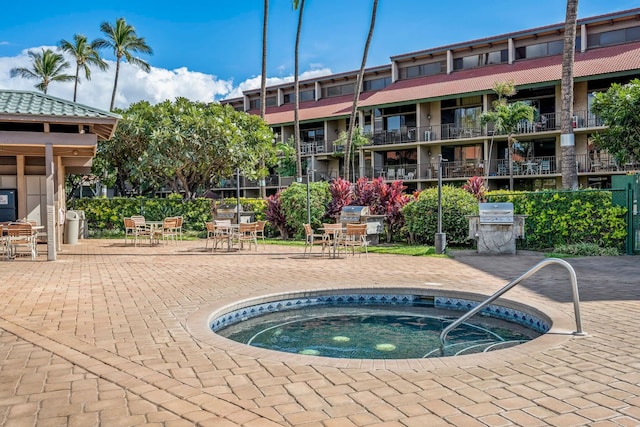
111	335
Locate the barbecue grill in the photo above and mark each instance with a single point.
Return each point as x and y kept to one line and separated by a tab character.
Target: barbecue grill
361	215
496	228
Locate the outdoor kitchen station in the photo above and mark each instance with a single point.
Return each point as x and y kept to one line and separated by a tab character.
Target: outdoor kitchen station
496	228
361	215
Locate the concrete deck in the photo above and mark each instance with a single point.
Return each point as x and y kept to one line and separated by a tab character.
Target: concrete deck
111	335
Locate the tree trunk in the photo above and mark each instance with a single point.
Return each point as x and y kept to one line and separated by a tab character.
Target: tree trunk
567	140
75	84
358	88
510	160
263	84
115	84
296	110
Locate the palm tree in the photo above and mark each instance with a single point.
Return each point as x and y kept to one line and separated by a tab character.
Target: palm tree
47	66
567	141
86	54
505	118
296	108
358	88
263	81
124	41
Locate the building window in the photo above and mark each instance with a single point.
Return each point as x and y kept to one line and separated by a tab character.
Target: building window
376	84
480	60
305	95
613	37
270	101
539	50
430	69
345	89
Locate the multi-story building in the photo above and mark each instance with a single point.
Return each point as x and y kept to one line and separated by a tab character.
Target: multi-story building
428	103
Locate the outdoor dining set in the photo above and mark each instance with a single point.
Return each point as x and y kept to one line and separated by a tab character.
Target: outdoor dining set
223	232
137	228
336	238
15	236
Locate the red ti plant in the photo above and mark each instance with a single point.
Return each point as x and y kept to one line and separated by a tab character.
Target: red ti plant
475	186
341	196
276	217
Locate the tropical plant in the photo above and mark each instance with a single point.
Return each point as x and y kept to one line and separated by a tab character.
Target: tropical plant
276	216
475	185
619	110
505	118
85	54
296	109
567	142
341	195
47	66
124	42
357	90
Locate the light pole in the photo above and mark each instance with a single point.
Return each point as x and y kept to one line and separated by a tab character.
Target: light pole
308	196
238	195
440	237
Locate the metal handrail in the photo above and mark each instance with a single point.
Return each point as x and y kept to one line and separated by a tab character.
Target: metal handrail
534	269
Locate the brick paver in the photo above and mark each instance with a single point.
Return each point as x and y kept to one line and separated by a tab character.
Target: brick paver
112	335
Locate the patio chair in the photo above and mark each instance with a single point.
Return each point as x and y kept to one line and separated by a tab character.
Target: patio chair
355	237
260	230
21	235
179	226
143	230
130	231
3	242
168	230
391	174
246	233
311	239
218	234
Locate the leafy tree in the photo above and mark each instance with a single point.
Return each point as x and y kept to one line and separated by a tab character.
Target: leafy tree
505	117
294	205
48	66
619	110
358	88
124	42
186	145
85	54
568	148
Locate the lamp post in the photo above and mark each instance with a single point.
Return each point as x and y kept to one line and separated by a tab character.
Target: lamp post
238	195
308	196
440	237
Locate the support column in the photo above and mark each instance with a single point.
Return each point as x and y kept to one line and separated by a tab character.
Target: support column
51	211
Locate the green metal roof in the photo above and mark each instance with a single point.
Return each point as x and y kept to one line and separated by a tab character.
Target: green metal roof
39	104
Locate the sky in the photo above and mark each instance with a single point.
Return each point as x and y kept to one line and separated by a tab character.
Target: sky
211	50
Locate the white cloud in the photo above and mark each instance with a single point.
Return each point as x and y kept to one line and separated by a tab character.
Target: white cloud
135	85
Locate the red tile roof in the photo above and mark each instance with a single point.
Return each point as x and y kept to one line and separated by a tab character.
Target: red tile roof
339	106
594	62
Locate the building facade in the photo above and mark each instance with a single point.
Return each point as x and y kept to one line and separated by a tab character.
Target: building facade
429	103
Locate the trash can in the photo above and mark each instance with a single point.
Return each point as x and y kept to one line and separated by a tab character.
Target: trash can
71	226
82	225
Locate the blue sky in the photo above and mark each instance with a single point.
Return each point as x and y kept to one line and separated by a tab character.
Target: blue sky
207	50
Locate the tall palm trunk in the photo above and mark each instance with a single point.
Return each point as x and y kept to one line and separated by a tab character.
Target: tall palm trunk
263	83
358	88
296	110
75	83
115	84
567	140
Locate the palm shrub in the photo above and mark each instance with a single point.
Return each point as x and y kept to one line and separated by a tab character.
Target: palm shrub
276	216
421	215
341	195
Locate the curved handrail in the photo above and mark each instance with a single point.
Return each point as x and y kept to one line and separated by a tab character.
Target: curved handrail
534	269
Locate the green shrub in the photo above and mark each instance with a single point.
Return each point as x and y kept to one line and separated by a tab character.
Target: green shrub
421	215
557	218
585	249
293	201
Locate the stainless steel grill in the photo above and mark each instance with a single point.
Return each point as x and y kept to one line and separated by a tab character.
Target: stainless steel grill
226	212
496	213
354	214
